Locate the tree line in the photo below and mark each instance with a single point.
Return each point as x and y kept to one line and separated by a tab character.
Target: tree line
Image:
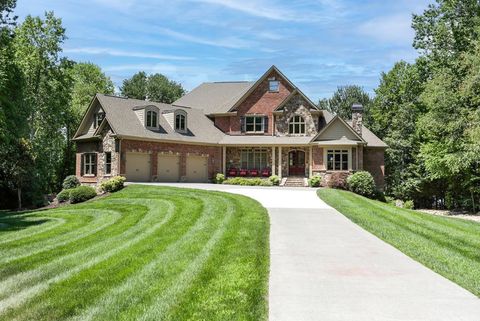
43	97
428	112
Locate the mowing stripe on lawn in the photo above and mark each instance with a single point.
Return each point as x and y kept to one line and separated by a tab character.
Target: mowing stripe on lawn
12	236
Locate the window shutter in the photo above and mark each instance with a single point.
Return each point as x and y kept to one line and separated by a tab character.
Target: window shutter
94	164
82	164
265	124
242	124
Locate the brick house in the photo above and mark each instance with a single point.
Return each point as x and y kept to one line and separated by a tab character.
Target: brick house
261	128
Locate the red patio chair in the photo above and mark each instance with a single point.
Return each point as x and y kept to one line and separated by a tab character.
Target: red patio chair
232	172
266	172
243	172
254	172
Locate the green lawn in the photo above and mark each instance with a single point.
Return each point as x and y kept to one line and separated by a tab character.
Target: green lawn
448	246
144	253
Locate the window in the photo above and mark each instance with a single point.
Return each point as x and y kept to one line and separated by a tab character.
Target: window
97	119
254	124
273	85
296	125
108	163
89	164
253	159
151	118
180	122
337	160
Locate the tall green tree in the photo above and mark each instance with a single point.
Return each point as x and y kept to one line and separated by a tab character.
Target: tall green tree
342	100
47	89
156	87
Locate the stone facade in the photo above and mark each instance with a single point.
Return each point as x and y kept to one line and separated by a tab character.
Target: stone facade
296	106
214	154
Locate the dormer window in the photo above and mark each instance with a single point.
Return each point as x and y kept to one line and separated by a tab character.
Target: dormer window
273	85
180	121
296	125
152	118
98	118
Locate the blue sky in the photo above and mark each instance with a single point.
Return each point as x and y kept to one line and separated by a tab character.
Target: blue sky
318	44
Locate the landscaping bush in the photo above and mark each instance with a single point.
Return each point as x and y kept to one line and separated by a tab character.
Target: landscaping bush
362	183
248	181
338	180
408	205
70	181
274	179
64	195
219	178
113	184
81	194
315	181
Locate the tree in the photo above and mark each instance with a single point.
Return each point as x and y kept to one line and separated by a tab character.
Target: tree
156	87
342	100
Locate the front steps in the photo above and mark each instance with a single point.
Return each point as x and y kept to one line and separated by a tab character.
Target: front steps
295	181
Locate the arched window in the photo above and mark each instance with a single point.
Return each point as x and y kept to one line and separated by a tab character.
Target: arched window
180	122
151	118
296	125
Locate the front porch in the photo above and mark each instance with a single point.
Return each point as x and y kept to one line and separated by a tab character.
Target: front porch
289	161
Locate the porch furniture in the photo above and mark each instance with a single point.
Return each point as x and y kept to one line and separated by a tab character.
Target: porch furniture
266	172
232	172
254	172
243	172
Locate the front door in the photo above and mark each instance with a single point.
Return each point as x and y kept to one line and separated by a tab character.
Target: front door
296	163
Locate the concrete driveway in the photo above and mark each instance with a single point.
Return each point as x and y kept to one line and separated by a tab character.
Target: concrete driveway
324	267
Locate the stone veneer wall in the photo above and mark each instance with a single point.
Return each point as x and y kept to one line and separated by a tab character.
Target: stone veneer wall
296	106
214	154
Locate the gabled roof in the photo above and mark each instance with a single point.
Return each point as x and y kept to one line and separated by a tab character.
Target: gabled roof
345	125
295	92
121	116
214	97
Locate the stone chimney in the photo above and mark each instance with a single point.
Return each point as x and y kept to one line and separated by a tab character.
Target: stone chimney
357	118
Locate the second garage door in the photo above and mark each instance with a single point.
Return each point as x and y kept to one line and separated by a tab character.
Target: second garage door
168	168
138	167
197	169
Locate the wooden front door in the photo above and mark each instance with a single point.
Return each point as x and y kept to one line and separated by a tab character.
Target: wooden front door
296	163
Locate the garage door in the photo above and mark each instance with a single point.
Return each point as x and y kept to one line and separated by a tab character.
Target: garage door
168	168
197	169
138	167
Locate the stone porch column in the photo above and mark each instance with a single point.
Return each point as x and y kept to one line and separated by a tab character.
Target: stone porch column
273	161
310	166
280	161
224	160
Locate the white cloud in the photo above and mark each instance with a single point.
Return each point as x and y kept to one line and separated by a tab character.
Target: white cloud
391	29
122	53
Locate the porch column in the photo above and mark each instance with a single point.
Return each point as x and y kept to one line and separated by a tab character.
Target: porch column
310	165
273	161
224	160
280	161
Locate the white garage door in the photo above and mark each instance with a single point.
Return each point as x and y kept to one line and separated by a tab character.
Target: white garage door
197	169
138	167
168	168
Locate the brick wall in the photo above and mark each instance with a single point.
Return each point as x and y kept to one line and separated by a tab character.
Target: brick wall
214	154
261	101
317	159
374	162
223	123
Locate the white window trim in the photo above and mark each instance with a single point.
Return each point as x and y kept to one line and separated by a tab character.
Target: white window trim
262	122
325	157
146	118
292	121
180	113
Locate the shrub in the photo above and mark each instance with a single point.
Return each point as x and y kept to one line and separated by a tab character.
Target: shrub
219	178
362	183
113	184
315	181
81	194
248	181
64	195
408	205
274	179
70	181
338	180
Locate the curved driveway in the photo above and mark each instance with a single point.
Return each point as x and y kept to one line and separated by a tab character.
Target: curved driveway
324	267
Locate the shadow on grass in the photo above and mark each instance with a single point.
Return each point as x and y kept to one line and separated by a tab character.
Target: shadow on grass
15	221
